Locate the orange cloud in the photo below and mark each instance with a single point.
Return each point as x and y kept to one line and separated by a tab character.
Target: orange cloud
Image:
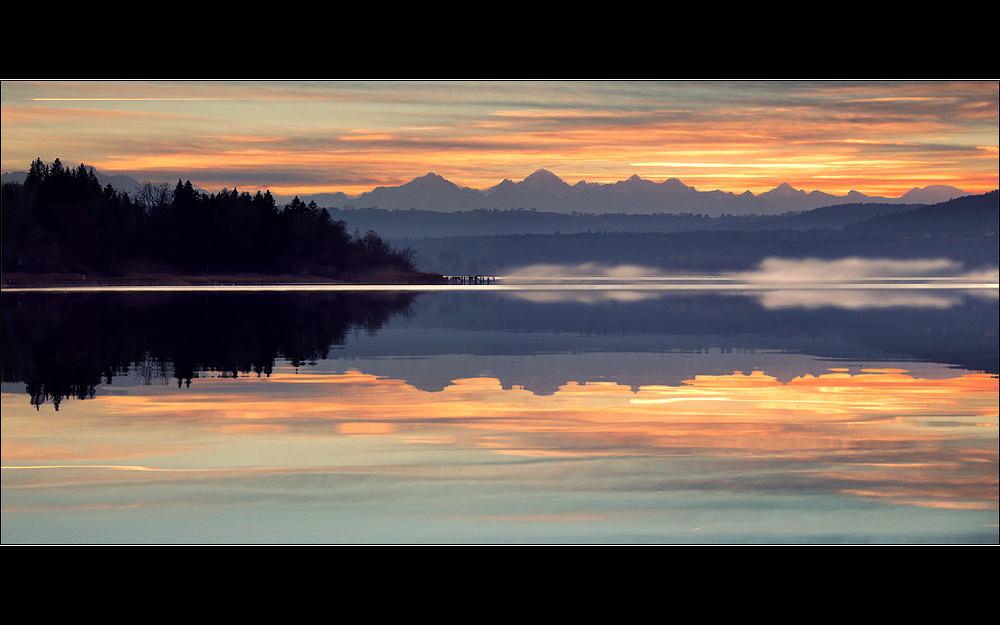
877	138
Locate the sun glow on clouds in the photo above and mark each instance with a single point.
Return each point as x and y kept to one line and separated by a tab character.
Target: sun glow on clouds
752	135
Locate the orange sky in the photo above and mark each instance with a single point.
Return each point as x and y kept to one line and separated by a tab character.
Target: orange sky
880	138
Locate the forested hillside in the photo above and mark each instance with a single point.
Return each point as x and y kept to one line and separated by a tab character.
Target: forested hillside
963	229
61	220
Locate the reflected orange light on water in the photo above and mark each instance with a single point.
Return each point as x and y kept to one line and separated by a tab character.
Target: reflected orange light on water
878	433
836	398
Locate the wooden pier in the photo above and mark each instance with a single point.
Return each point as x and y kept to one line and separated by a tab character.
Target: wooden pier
471	279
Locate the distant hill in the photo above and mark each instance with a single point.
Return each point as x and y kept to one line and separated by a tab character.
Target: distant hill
962	229
934	194
836	216
414	224
968	216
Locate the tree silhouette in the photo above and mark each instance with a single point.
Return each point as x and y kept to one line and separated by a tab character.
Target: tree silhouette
62	220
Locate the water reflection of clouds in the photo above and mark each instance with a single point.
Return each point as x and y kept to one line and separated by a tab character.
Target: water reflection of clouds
588	296
878	433
856	299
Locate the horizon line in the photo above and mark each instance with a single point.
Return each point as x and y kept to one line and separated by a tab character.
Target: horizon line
112	173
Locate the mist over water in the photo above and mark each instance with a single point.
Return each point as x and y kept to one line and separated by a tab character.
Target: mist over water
850	283
812	270
585	270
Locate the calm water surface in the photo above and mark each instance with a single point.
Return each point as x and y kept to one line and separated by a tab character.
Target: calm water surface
487	416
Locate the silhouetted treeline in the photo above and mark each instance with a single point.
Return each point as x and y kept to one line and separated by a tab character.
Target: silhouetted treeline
61	220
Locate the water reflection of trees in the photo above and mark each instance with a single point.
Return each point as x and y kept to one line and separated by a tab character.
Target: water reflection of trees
65	345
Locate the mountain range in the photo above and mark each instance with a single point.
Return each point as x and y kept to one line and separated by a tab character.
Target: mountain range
544	191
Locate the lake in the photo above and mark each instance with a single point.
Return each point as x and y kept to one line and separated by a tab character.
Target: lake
587	409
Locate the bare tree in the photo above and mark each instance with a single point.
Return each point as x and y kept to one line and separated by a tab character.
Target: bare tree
153	195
